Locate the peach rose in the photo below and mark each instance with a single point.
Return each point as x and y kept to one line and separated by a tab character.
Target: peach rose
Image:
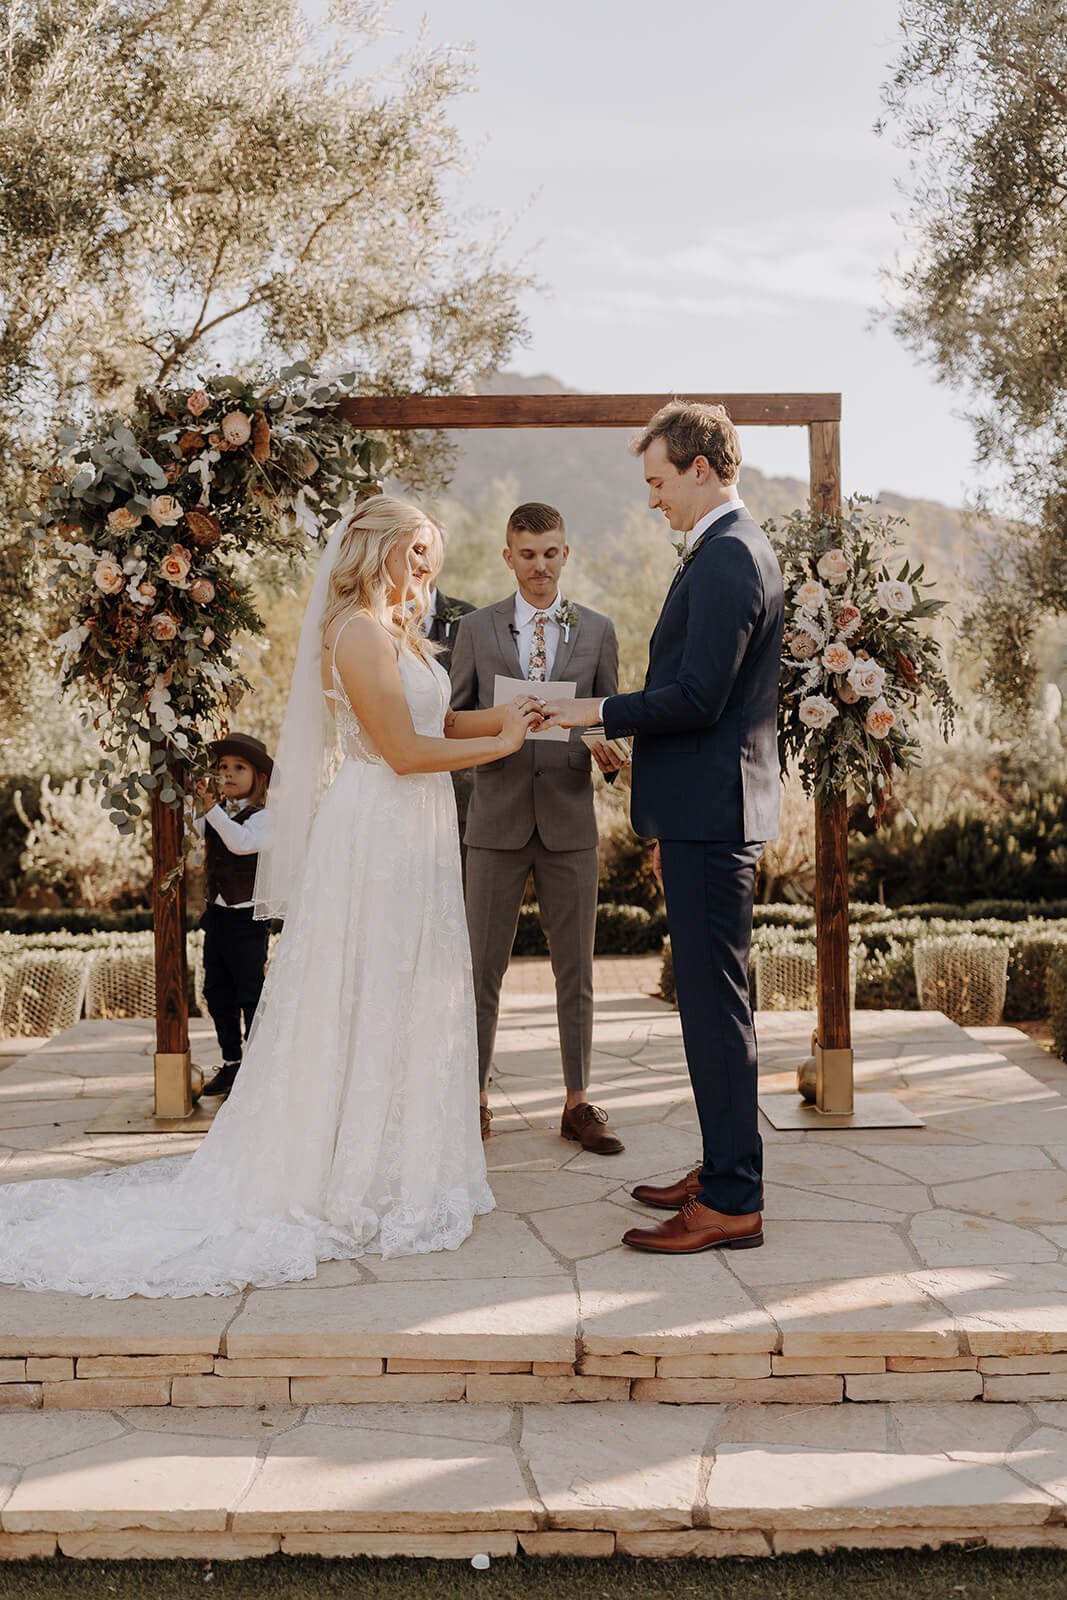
879	719
236	429
146	593
817	712
175	566
109	576
837	657
867	678
164	627
197	403
202	590
833	566
847	694
165	510
122	519
847	622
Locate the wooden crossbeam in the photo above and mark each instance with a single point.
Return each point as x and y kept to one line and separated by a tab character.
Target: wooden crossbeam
575	410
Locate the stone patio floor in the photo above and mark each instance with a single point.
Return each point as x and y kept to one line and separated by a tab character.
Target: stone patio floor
908	1271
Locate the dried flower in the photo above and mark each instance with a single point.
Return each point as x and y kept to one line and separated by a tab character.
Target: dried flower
260	437
848	622
197	403
203	528
802	645
236	429
202	590
191	442
207	637
907	670
847	694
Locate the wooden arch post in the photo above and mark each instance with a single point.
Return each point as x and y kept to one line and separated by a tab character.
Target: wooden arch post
821	415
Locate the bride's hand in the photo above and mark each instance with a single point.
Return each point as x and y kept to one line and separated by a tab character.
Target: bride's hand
521	716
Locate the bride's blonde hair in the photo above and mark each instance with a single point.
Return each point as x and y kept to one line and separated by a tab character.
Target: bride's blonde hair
359	580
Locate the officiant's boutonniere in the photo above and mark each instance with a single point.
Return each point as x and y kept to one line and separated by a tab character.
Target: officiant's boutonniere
449	615
566	614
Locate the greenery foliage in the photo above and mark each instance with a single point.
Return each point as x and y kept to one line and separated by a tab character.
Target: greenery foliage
148	540
979	98
1019	854
855	662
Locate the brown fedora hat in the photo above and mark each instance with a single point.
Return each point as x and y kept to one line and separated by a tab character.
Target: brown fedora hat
254	751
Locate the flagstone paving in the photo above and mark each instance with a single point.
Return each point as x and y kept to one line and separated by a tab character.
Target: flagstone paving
928	1254
439	1479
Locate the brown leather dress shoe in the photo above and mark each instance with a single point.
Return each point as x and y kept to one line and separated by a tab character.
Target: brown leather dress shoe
669	1196
673	1196
589	1127
487	1118
697	1227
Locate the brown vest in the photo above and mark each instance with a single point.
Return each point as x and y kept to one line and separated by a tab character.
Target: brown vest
234	877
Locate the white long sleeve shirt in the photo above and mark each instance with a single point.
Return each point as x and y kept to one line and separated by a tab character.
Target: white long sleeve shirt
241	838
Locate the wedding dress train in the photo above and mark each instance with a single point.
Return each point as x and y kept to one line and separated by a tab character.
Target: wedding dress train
353	1124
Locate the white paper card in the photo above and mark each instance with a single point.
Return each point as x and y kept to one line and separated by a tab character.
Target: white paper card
505	689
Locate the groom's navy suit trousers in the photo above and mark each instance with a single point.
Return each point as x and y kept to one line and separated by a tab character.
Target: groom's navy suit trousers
706	785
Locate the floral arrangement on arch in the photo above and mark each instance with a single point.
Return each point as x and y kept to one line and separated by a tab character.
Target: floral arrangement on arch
856	656
149	540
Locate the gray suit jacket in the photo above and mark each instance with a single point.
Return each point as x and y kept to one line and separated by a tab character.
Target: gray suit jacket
545	785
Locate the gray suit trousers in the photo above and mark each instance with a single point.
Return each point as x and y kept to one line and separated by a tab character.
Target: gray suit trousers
566	885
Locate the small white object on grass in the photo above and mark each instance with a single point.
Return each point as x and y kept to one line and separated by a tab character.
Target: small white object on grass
480	1563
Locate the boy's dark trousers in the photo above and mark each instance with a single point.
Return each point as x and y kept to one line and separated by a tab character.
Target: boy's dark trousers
235	958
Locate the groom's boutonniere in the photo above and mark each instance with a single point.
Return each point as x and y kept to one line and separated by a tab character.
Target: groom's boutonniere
685	556
566	614
449	615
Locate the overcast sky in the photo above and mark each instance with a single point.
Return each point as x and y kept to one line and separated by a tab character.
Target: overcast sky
699	189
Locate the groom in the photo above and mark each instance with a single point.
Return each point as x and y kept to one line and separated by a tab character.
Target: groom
532	812
705	785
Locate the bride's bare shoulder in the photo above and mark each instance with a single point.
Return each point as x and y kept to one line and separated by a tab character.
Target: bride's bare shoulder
358	638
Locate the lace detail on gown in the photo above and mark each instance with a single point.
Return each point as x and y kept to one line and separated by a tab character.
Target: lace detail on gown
353	1124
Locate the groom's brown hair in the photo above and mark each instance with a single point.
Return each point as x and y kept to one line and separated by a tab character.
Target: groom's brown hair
690	428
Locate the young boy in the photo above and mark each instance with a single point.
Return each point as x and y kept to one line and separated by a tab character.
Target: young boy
235	944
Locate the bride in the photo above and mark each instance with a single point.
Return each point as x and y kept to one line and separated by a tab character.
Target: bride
353	1124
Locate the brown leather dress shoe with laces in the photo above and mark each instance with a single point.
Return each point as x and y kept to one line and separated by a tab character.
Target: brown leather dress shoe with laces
589	1127
669	1196
697	1227
673	1196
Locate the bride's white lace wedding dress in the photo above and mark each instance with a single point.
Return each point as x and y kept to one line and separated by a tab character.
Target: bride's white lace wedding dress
353	1125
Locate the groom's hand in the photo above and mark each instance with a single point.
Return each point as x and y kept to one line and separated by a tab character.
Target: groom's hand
607	759
572	714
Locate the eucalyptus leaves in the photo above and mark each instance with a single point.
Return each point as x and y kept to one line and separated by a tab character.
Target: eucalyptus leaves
149	542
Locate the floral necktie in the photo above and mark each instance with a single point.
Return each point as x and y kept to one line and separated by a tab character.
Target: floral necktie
538	655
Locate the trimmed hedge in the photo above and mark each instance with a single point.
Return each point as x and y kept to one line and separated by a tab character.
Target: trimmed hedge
886	979
620	931
1056	1000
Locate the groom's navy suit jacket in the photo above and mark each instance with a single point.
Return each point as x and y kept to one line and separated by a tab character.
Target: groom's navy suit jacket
705	726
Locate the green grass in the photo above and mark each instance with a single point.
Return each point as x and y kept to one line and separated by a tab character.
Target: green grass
912	1575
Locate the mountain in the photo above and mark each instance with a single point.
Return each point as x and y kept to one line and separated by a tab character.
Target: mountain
590	476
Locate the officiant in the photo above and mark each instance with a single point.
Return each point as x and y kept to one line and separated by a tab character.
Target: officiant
531	813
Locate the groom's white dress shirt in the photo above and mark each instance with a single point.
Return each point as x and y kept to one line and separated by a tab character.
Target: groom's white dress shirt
524	632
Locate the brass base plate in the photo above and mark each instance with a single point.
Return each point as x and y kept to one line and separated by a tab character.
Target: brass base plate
134	1113
788	1113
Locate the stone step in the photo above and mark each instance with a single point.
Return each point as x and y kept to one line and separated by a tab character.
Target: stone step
445	1480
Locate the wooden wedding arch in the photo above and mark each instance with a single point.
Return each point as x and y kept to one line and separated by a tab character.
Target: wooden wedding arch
821	415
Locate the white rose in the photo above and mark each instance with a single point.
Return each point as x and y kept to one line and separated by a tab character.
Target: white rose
816	711
109	576
810	595
833	566
895	597
867	678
